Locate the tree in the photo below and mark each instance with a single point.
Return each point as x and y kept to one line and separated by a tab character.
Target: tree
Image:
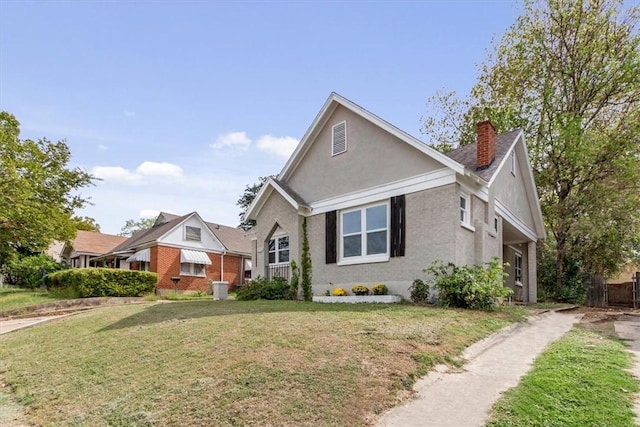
39	191
568	73
85	223
246	199
132	226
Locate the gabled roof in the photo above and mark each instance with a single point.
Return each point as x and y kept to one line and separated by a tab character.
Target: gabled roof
233	239
325	113
95	243
273	184
466	154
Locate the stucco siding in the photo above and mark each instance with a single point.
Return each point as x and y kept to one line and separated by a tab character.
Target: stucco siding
511	191
373	157
520	292
431	221
276	212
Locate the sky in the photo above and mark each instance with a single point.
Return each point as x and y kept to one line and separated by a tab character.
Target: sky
177	106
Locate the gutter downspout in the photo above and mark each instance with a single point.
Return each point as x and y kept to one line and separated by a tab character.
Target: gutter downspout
222	266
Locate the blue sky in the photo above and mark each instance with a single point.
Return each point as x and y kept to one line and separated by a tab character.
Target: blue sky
178	105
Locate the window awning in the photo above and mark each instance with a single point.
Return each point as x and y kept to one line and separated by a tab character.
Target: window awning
143	255
194	257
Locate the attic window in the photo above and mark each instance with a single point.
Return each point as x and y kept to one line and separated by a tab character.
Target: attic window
192	233
339	139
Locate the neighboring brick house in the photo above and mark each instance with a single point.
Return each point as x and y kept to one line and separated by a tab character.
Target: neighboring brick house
188	248
380	205
87	245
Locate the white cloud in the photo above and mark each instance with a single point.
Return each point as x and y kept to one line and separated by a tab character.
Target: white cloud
148	213
102	147
129	113
114	173
280	146
159	169
234	140
145	170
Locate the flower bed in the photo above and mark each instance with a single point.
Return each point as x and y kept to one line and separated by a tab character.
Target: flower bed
355	299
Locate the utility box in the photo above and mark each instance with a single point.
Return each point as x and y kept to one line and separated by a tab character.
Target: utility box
219	290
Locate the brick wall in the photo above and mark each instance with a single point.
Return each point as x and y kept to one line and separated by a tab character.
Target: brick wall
166	262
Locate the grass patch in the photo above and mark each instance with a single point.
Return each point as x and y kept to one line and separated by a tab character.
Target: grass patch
229	363
581	380
12	298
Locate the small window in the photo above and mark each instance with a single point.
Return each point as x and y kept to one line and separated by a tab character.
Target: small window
279	250
513	163
339	139
464	209
495	224
192	233
518	267
190	269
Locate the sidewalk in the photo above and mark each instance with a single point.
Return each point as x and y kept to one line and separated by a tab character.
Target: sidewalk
495	365
7	326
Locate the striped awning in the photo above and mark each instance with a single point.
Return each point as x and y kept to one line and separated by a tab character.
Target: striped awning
140	256
194	257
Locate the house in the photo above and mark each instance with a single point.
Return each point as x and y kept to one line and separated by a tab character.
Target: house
188	249
380	205
86	246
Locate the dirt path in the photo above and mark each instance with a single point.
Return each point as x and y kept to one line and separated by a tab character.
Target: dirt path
627	326
495	365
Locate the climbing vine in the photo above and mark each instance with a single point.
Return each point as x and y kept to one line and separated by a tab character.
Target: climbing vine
305	267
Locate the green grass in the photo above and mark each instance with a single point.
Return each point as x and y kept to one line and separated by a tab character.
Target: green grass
15	298
229	363
581	380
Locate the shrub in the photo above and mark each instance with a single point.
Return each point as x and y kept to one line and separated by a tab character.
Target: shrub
30	271
104	282
476	287
295	281
339	292
419	292
360	290
263	288
380	289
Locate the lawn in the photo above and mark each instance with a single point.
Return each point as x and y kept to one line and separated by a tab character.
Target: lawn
12	298
581	380
229	363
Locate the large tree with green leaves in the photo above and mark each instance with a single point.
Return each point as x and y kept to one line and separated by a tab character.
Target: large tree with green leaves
132	226
39	191
250	193
568	73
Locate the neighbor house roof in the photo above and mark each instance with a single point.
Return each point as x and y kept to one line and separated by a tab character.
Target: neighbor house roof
233	239
95	243
466	154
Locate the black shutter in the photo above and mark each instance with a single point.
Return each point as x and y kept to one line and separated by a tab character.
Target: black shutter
398	229
331	237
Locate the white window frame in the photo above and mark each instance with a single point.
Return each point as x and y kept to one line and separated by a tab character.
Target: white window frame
191	269
517	269
195	228
277	250
333	138
513	163
144	265
362	259
465	214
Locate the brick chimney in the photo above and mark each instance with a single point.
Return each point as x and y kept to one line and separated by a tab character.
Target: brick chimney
486	144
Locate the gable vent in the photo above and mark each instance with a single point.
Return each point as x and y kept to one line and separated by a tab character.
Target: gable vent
339	144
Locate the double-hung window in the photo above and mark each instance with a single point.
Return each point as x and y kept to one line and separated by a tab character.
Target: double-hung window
517	268
365	234
191	269
465	217
279	250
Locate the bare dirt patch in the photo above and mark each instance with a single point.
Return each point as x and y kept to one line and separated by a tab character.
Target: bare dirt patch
68	306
